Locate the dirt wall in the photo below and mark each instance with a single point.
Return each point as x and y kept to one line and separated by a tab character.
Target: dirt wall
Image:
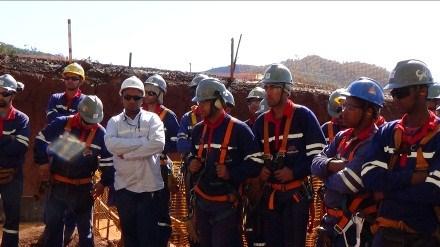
42	78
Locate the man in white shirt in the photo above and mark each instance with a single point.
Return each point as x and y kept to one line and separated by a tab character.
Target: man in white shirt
136	138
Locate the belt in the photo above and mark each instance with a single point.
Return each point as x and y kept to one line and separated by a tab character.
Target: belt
218	198
289	186
283	187
74	181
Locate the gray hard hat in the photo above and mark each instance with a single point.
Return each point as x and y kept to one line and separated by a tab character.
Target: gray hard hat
9	83
335	100
158	81
256	93
90	109
277	74
409	73
210	88
263	106
434	91
229	99
198	78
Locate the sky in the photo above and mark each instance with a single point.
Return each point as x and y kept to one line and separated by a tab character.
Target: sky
170	35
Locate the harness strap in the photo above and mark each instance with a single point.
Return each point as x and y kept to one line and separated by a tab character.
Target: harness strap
163	113
226	139
389	223
286	131
353	208
202	142
330	132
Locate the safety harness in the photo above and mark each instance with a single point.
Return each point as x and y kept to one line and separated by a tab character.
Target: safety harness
75	120
163	113
281	153
233	198
357	204
421	165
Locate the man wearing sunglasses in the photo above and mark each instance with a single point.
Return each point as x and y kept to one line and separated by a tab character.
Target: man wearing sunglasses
289	136
155	90
136	138
66	103
334	109
73	148
14	142
339	165
403	166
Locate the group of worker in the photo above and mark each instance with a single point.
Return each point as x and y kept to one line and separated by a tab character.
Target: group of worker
381	179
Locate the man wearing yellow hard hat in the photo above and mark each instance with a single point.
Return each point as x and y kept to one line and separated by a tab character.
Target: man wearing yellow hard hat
66	103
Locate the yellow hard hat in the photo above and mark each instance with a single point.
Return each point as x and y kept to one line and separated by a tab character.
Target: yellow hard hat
76	69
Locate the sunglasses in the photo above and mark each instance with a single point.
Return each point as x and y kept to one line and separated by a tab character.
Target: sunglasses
339	109
400	93
6	94
72	78
135	97
150	93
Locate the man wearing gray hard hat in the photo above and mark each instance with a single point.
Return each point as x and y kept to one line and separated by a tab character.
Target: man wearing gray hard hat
14	142
69	150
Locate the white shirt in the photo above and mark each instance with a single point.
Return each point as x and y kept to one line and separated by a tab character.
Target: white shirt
140	141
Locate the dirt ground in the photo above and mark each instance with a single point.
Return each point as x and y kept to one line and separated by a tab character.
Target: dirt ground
30	232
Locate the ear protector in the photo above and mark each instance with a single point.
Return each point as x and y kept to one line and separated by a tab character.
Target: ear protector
218	103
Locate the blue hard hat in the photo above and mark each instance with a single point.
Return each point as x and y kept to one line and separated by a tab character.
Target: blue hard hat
366	89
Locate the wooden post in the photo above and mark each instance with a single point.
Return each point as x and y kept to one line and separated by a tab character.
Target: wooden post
231	73
129	60
70	40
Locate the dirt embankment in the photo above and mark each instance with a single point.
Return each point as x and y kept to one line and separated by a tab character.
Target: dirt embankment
42	78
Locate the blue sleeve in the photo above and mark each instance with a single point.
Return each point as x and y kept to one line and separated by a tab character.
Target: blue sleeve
427	192
249	167
106	165
51	112
172	127
375	173
320	161
45	137
348	180
183	135
17	144
314	142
